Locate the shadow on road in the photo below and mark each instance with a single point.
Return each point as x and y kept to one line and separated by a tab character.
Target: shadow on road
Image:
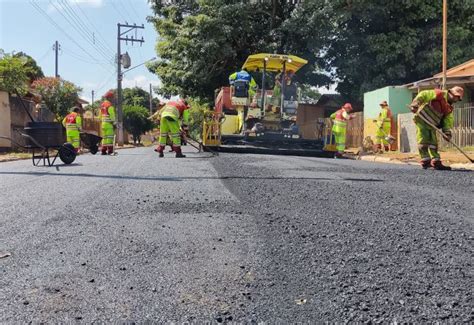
184	178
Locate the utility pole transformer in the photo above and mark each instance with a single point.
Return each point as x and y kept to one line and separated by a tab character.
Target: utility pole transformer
127	39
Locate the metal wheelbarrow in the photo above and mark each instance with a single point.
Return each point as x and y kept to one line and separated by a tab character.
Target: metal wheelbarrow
90	141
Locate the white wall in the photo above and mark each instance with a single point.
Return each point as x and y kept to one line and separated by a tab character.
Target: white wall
5	120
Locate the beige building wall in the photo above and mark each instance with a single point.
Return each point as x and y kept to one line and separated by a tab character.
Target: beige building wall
5	120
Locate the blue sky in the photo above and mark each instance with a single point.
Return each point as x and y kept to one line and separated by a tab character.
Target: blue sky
87	34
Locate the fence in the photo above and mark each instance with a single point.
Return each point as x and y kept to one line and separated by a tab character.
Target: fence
355	131
463	130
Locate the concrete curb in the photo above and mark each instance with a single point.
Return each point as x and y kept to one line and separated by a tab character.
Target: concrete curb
386	160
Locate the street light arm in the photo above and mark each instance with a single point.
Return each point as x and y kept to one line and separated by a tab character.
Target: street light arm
152	59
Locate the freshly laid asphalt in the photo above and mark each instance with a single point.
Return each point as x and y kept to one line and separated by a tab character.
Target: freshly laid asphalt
234	238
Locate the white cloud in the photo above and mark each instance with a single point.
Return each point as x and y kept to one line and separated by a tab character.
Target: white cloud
140	81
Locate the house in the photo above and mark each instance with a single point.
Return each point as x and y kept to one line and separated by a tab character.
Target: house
399	97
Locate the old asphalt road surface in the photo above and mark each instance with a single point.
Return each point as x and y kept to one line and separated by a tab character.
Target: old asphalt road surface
235	238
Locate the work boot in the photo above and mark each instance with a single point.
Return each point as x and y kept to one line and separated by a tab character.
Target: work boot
425	164
104	151
160	149
387	149
438	165
338	155
179	154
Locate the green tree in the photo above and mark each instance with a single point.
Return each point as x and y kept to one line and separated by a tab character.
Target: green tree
14	74
202	42
35	70
377	43
58	94
136	122
309	93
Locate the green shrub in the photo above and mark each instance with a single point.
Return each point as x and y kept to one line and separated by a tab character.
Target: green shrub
136	122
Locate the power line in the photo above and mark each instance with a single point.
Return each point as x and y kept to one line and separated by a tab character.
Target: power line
67	6
133	10
95	28
81	58
52	22
81	33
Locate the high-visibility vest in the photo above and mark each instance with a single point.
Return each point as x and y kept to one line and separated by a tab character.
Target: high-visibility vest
385	118
340	120
175	111
437	108
72	121
104	112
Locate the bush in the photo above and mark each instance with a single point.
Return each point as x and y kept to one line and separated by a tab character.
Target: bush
136	122
58	94
196	112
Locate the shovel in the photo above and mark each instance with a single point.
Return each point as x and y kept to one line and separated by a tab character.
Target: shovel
424	119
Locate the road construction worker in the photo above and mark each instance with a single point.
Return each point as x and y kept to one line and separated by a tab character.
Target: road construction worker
435	106
73	124
107	118
339	127
169	116
288	79
384	127
244	78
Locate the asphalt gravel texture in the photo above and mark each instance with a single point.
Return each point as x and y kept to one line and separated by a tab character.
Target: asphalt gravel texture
234	238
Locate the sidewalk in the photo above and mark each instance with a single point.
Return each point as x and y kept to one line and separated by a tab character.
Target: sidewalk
13	156
454	159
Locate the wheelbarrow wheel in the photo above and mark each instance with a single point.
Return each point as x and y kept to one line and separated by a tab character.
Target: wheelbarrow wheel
94	149
67	153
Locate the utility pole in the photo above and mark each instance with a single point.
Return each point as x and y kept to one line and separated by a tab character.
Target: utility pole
151	102
127	39
445	41
92	97
56	48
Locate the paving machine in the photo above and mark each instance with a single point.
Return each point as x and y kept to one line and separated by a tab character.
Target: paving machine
265	122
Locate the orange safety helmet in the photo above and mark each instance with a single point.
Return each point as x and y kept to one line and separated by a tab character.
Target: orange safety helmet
457	91
347	106
384	103
183	103
109	95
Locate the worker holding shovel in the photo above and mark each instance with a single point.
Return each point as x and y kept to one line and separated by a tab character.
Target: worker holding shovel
433	109
384	127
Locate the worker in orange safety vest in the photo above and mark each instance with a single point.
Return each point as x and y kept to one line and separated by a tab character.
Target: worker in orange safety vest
107	118
339	127
73	124
169	116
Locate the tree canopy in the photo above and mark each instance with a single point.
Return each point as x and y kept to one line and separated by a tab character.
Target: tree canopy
35	70
138	97
14	74
362	45
58	94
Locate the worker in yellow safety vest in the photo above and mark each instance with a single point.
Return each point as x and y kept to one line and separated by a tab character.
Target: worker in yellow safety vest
339	127
169	116
107	118
73	124
384	127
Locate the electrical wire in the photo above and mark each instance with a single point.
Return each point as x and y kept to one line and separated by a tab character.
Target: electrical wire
74	25
52	22
133	10
67	7
97	30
